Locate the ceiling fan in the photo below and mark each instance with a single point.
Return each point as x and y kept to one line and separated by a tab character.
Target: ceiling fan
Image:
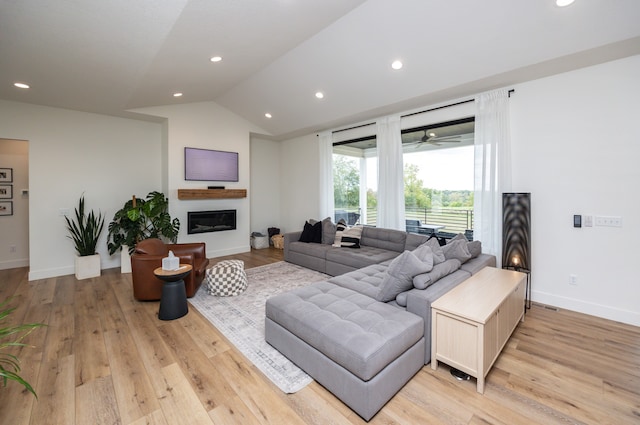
433	139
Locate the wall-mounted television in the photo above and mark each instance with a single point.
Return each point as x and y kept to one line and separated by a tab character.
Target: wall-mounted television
210	165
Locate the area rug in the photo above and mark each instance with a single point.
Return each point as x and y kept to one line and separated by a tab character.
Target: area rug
241	319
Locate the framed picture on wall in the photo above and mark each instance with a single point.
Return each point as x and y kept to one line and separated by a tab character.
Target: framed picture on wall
6	191
6	208
6	175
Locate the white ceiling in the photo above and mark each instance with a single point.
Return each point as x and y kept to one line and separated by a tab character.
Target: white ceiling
113	56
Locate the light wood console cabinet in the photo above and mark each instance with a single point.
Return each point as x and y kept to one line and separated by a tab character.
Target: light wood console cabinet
473	322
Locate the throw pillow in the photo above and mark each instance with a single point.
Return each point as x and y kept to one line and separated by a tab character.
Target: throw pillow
475	248
328	231
351	237
399	276
458	237
457	250
311	232
424	254
341	226
438	255
441	241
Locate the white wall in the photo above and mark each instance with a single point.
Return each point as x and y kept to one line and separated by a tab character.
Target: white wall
14	248
71	153
576	149
265	184
207	125
299	182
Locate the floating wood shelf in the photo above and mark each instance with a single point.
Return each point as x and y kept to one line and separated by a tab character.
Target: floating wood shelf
186	194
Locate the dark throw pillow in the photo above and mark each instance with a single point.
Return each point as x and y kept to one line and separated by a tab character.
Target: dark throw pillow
311	233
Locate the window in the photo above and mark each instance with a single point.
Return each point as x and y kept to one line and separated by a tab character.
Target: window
355	180
438	176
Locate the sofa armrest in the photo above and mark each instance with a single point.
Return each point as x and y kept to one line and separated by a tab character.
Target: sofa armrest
288	238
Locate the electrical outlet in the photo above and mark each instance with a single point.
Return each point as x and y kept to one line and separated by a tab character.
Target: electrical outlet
573	279
588	221
12	248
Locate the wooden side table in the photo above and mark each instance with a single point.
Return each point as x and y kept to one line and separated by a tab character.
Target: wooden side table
173	303
472	322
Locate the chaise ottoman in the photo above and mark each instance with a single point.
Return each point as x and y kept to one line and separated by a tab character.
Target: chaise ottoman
362	350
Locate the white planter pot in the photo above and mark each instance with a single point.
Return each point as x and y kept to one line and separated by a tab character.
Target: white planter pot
87	266
125	260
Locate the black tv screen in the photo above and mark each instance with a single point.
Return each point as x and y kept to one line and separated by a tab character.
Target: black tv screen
210	165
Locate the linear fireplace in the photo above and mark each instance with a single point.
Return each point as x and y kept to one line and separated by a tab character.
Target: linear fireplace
211	221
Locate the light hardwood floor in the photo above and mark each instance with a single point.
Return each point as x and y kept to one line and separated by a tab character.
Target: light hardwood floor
106	359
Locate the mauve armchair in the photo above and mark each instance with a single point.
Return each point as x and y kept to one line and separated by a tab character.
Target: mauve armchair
148	256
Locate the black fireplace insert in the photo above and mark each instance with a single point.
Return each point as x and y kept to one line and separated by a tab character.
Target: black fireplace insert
211	221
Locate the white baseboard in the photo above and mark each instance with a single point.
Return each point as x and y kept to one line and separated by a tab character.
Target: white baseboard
228	251
593	309
14	264
47	273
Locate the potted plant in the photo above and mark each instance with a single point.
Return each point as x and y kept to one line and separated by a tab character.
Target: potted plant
12	336
85	231
141	219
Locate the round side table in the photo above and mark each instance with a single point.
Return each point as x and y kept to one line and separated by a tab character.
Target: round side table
173	303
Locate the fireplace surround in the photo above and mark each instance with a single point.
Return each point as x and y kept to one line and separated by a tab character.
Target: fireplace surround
210	221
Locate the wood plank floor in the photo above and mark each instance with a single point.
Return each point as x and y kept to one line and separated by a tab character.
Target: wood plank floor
106	359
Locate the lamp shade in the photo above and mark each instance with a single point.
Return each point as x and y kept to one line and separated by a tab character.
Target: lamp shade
516	230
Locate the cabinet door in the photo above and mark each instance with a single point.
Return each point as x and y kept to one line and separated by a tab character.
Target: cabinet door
510	313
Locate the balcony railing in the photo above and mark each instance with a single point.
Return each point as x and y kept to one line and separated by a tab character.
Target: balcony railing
455	220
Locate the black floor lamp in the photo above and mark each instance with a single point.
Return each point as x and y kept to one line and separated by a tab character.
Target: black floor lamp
516	236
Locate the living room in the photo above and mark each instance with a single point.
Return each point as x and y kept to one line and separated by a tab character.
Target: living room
574	148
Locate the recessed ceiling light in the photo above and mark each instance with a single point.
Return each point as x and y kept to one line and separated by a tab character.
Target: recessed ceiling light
563	3
268	115
319	95
396	65
177	94
21	85
216	59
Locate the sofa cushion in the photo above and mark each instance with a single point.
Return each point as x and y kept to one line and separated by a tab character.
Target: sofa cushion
475	248
400	273
312	232
366	281
438	255
392	240
358	258
424	254
422	281
355	331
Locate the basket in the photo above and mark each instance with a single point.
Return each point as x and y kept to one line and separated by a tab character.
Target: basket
278	241
259	242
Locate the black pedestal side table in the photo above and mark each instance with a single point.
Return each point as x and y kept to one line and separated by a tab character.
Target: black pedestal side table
173	303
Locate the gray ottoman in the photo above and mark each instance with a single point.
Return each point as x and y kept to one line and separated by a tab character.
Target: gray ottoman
362	350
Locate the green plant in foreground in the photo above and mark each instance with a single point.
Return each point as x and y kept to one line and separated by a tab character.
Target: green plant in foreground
85	230
12	336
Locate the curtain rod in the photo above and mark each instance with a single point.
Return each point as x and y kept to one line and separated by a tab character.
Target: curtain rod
417	113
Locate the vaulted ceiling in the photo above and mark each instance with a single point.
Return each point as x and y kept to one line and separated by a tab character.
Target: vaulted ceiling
111	57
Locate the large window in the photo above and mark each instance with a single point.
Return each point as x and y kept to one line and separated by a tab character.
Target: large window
438	177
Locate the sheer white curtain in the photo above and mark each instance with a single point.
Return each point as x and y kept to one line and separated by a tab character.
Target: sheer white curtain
390	174
325	155
492	168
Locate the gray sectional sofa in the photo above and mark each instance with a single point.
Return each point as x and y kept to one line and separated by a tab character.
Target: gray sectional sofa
366	330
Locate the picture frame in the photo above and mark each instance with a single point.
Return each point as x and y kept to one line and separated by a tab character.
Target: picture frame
6	208
6	191
6	175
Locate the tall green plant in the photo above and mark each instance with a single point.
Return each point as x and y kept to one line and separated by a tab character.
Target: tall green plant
85	230
12	336
141	219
